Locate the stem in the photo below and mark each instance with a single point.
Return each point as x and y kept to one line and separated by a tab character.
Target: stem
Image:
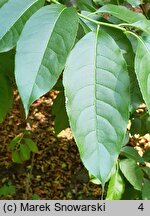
102	23
135	35
55	1
130	32
130	25
102	194
125	24
119	26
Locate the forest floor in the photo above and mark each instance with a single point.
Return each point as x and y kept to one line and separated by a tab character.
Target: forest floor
57	171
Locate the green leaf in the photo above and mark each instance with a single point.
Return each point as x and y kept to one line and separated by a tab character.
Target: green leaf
58	86
24	152
35	197
146	190
42	52
130	193
31	145
136	20
88	25
142	68
59	111
7	190
126	48
13	143
146	155
2	2
97	101
85	5
16	157
146	170
8	69
122	13
94	180
13	16
134	3
116	187
132	172
6	96
143	24
131	153
140	124
103	2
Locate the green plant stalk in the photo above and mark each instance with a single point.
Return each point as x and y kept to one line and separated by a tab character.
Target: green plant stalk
119	26
54	1
137	37
102	23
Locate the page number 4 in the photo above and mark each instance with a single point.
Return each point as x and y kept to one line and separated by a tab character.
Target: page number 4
141	207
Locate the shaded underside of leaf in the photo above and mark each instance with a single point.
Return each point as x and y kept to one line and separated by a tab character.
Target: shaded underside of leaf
130	152
142	68
146	190
7	63
13	16
43	49
132	172
121	12
97	101
136	20
59	111
6	96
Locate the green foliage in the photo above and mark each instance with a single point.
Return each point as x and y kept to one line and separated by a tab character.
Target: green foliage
58	109
116	186
132	172
35	197
39	63
121	13
142	65
146	155
2	2
31	145
101	50
131	153
7	69
7	189
12	20
140	124
21	148
6	96
146	190
94	109
134	3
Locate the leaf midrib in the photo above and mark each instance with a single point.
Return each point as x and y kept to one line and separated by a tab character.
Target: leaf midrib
95	64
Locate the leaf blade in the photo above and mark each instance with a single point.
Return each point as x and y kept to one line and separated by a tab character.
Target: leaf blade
130	152
121	12
132	172
146	190
87	125
44	60
142	66
116	187
13	16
